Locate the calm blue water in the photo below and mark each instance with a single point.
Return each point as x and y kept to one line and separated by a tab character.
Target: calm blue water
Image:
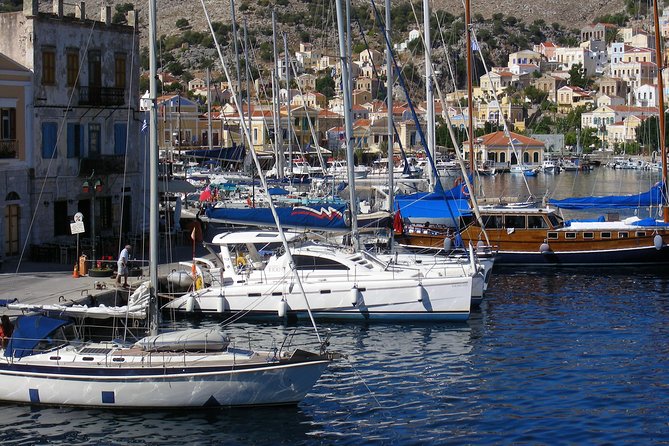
552	357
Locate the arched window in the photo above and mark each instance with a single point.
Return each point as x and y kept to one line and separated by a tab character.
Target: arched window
536	157
12	196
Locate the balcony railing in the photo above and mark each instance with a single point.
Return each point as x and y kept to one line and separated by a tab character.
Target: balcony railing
101	96
8	148
102	165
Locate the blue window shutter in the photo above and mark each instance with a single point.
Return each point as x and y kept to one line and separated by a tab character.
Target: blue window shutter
119	139
70	139
81	140
49	135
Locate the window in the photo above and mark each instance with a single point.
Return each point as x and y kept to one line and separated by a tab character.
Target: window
8	123
93	139
606	235
588	235
623	235
49	66
94	69
514	221
552	236
303	262
106	214
75	139
120	134
641	233
72	67
536	222
492	221
49	137
570	235
119	71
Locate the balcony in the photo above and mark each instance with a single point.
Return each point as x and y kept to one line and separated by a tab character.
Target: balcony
102	165
101	96
8	148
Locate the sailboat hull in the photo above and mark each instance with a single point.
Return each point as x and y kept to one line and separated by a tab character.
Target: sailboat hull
443	299
170	387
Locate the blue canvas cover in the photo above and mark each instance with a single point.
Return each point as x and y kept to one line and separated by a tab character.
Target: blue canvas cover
314	216
234	154
432	207
653	197
28	332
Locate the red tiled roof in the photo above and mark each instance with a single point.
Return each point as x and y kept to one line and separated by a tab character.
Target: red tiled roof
498	139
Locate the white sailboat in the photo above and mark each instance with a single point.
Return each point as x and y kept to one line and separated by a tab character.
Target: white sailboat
43	362
339	284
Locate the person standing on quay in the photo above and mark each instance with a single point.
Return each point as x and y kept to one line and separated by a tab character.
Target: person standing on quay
123	266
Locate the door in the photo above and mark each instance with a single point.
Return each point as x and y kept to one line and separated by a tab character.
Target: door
12	230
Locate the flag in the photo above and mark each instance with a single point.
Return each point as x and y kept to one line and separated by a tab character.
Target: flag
205	195
475	46
145	126
398	224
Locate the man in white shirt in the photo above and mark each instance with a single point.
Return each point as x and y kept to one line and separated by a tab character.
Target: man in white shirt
123	266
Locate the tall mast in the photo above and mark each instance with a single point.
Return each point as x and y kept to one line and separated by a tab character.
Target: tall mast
154	314
470	100
234	38
209	139
660	102
346	92
390	80
248	78
277	106
290	123
429	94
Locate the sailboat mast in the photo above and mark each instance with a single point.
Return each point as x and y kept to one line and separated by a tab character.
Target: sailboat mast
234	37
248	76
349	125
470	101
429	94
288	100
390	80
154	314
210	143
660	102
277	106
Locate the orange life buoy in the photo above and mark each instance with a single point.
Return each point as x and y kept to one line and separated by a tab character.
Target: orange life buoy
457	181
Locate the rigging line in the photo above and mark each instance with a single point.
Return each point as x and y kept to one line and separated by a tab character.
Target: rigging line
127	137
390	114
363	381
499	107
263	180
54	152
298	82
461	162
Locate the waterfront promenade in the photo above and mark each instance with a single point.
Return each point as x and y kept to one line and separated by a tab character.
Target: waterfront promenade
42	283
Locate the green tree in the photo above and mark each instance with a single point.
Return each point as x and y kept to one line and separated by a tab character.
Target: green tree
326	86
648	131
182	23
577	77
121	11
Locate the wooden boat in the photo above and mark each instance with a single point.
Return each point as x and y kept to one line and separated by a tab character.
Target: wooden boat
538	235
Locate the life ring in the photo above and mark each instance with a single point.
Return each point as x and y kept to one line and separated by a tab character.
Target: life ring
457	181
464	190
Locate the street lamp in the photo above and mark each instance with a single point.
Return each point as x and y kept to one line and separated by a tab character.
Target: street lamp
92	186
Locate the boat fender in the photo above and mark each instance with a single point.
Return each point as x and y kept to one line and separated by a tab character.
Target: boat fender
480	246
448	243
658	242
190	303
356	296
220	304
420	292
282	309
545	248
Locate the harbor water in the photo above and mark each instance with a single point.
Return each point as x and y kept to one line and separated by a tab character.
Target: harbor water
552	356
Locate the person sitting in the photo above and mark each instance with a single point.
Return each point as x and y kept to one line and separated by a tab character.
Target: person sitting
6	330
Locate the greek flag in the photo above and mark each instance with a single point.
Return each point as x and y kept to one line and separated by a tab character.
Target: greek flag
145	126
